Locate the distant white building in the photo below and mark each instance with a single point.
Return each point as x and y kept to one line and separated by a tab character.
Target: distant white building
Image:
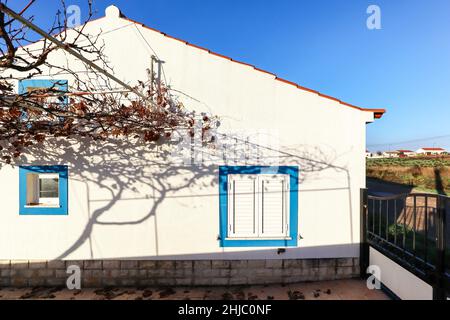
431	151
406	153
390	154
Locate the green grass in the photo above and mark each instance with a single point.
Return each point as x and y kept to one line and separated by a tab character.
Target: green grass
409	162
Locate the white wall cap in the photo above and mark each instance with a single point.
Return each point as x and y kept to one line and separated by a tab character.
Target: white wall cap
112	12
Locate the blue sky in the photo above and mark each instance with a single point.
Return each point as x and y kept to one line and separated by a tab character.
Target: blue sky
324	45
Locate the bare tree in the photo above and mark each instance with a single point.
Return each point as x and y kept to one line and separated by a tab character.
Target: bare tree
148	112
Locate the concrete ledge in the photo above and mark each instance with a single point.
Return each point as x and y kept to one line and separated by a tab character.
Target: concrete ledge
100	273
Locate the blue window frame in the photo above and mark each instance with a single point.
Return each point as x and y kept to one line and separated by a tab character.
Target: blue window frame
224	172
59	193
61	85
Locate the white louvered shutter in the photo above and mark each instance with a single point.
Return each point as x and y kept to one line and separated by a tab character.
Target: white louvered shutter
274	195
242	206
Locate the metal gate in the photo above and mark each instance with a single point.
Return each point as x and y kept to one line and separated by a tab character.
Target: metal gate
409	229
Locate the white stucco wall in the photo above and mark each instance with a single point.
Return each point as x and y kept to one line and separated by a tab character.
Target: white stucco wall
128	203
399	280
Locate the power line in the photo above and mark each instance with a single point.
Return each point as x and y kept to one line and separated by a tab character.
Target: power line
409	141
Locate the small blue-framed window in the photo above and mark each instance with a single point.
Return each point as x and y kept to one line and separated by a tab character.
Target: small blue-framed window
43	190
258	206
28	85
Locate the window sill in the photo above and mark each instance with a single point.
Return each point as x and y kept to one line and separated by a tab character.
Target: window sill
43	206
256	239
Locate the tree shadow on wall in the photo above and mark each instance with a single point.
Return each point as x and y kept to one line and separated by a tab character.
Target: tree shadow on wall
120	170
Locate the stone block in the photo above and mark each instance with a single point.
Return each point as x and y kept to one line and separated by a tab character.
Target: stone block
220	281
253	264
111	264
5	282
165	264
61	274
344	272
147	264
225	272
142	274
146	282
183	281
220	264
165	281
26	273
110	282
238	264
262	272
89	282
5	273
183	264
208	273
5	264
274	264
155	273
129	264
344	262
128	282
111	273
265	280
45	273
310	263
19	264
238	281
37	264
55	282
292	263
327	263
37	282
18	282
201	281
56	264
202	264
133	273
93	264
79	263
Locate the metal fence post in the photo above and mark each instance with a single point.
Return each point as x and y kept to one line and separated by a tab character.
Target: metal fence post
439	285
363	246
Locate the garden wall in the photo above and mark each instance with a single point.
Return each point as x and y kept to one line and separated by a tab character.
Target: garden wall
100	273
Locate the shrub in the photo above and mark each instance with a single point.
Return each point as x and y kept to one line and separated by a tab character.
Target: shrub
399	228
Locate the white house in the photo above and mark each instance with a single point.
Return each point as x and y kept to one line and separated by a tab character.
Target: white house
282	191
391	154
405	153
431	151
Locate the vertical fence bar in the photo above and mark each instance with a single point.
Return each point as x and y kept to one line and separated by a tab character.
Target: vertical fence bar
404	222
387	220
364	246
414	225
379	218
373	216
395	221
439	285
426	228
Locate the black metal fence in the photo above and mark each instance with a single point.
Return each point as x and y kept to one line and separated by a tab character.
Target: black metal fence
411	230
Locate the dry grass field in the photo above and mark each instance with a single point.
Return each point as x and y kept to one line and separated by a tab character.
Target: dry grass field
426	174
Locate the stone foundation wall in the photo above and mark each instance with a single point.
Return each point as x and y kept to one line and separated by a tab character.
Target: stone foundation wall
101	273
